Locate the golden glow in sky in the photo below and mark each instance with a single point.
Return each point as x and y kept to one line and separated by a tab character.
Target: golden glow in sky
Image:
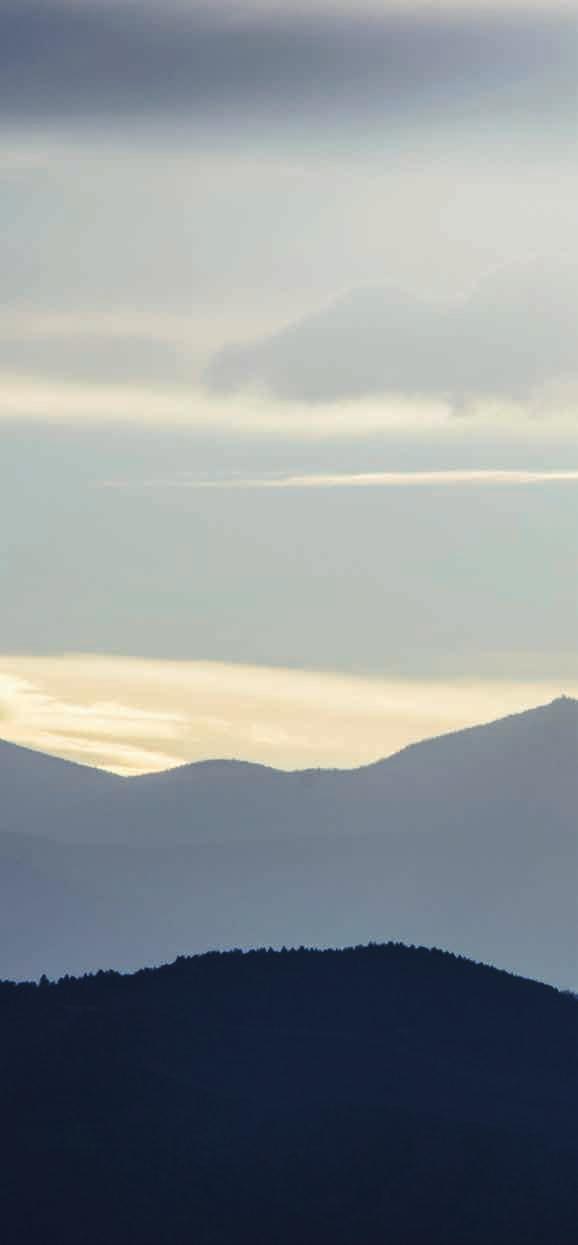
132	715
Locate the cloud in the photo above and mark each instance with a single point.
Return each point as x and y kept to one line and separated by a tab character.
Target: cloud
513	338
94	60
136	715
57	401
87	347
105	733
62	399
361	479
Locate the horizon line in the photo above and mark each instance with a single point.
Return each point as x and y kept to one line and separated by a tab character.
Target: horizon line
308	769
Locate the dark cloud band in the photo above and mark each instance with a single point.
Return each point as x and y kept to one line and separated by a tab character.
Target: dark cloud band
91	61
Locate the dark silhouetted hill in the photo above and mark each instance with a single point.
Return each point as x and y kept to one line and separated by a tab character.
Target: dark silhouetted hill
376	1095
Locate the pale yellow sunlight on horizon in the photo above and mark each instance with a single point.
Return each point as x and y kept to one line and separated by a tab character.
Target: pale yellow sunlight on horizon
133	715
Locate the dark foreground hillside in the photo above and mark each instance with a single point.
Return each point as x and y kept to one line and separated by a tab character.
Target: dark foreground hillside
381	1094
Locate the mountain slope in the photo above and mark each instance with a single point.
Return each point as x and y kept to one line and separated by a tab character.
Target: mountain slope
523	768
375	1094
467	842
41	794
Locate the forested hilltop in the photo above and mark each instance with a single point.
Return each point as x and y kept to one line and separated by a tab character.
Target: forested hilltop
379	1094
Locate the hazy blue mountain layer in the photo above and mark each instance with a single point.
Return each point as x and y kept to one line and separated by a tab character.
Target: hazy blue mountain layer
467	841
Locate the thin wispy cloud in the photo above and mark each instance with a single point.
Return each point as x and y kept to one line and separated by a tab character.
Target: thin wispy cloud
105	733
362	479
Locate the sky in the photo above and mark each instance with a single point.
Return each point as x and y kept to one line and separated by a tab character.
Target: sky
288	374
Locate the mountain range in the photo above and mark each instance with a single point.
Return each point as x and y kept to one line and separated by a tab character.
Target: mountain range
467	841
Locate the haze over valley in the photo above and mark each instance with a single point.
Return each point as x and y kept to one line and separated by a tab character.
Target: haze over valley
467	841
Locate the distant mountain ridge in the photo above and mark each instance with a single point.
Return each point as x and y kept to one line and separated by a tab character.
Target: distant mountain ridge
35	785
466	841
199	801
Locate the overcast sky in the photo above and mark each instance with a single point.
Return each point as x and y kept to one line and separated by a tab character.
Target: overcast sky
278	250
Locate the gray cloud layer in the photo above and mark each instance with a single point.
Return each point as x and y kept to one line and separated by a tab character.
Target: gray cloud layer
414	581
87	60
511	338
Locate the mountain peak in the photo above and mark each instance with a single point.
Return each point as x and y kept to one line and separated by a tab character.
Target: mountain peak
560	712
563	702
